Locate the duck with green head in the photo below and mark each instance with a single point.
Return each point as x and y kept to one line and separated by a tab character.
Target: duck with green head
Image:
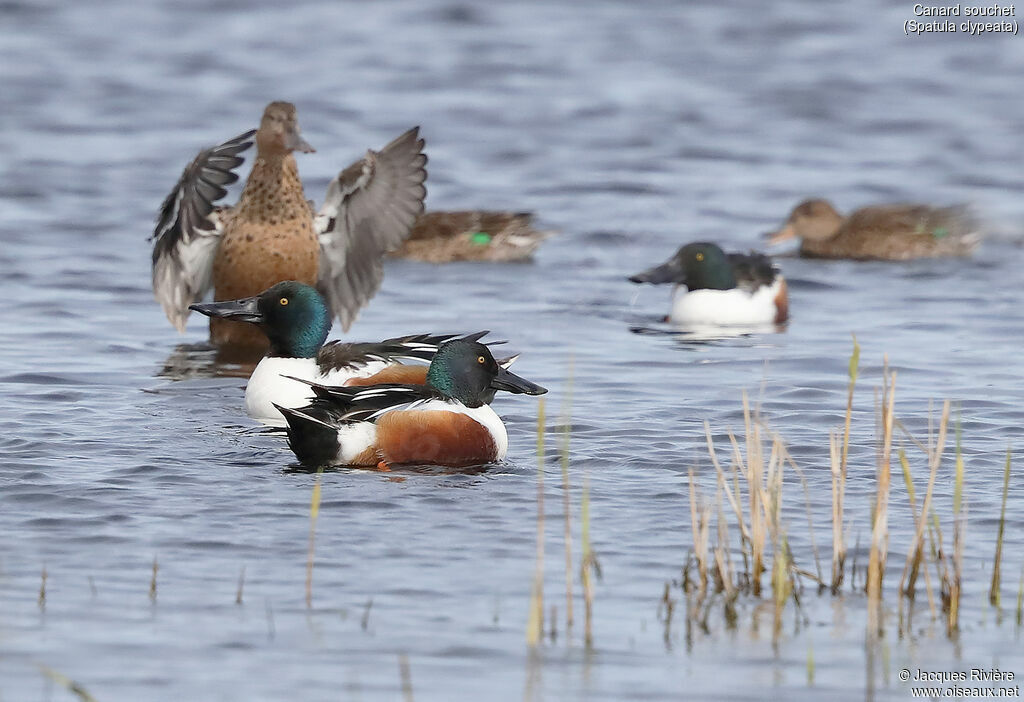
296	320
713	288
446	422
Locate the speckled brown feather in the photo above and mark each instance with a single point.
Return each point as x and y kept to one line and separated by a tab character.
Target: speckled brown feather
442	237
898	233
434	437
268	238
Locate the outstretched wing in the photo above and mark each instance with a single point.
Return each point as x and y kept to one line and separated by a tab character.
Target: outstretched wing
188	231
369	210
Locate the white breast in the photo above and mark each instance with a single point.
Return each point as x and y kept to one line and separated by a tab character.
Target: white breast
725	307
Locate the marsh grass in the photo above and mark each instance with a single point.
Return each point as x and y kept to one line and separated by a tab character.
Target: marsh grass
750	536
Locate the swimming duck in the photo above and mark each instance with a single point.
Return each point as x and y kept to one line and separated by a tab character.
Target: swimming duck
716	288
443	237
296	320
272	233
446	422
881	232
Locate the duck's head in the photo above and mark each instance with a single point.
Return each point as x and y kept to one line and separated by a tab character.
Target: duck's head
279	133
699	266
812	219
466	371
293	315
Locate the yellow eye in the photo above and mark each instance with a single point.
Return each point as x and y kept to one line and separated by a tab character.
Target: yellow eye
283	301
481	360
700	256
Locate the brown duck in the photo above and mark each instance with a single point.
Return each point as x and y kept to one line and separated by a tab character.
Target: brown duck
443	237
883	232
273	234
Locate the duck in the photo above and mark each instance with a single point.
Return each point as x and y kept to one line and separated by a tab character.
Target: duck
714	288
472	235
273	234
898	232
296	320
447	421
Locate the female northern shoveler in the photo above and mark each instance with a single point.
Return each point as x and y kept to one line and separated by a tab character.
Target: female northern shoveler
443	237
446	422
716	288
882	232
296	320
271	234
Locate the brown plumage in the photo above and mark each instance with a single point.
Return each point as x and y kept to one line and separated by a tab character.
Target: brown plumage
883	232
397	373
443	237
782	302
433	437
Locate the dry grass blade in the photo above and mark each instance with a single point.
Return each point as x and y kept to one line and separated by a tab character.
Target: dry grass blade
566	495
880	527
588	567
67	683
535	618
314	512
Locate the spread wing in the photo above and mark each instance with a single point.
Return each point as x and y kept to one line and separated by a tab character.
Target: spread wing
188	230
369	210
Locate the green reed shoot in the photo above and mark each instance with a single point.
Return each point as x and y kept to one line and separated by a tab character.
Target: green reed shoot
993	593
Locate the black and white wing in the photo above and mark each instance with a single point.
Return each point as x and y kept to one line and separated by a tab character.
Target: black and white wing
368	211
752	270
188	230
365	403
420	347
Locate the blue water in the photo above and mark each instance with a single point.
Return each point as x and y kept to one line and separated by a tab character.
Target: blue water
629	127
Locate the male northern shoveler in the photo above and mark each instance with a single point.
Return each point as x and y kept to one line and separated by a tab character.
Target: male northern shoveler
715	288
296	319
447	422
881	232
271	234
443	237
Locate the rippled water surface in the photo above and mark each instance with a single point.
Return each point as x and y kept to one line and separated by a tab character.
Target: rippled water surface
629	127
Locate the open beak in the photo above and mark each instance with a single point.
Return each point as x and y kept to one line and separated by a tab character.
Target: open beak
510	382
245	310
787	232
668	272
294	141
